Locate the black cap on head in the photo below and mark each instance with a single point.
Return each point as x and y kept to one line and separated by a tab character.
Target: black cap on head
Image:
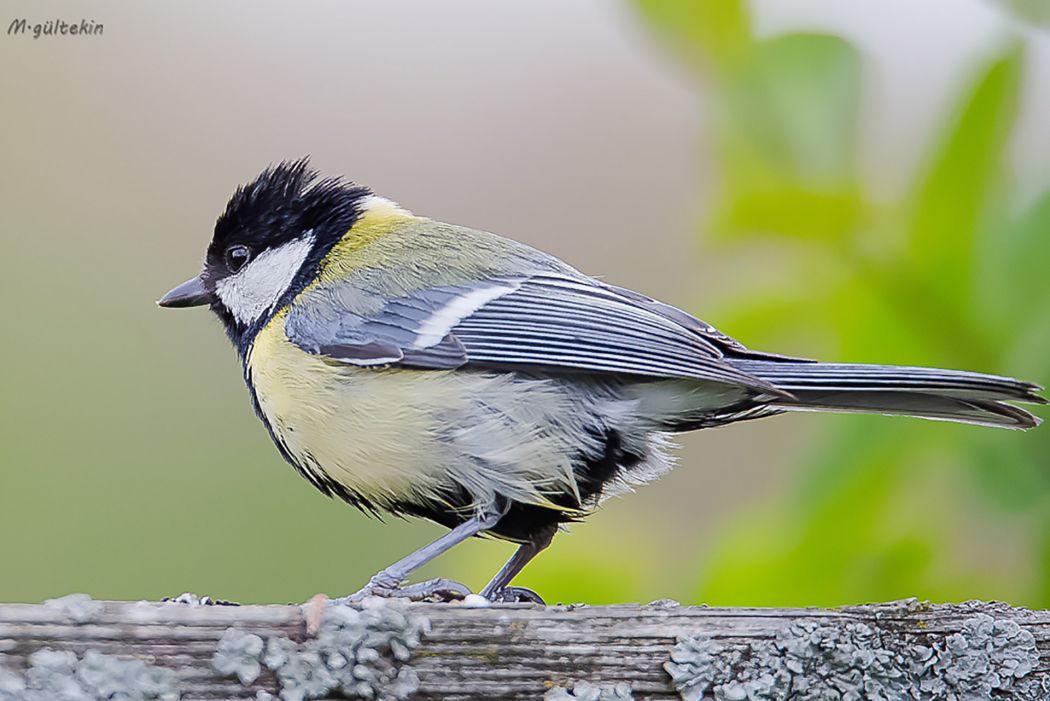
287	210
280	205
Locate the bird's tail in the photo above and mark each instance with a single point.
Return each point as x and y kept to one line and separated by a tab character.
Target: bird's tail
930	393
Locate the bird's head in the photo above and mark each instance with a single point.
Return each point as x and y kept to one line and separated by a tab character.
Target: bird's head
268	243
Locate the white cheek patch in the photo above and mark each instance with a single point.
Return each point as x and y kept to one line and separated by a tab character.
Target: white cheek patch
256	287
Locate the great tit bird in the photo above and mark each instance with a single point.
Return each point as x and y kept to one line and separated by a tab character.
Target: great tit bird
410	366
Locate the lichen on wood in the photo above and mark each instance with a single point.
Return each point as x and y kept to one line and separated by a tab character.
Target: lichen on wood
511	652
61	676
358	653
988	658
583	691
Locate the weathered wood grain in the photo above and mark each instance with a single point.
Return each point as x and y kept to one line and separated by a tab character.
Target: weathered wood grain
503	652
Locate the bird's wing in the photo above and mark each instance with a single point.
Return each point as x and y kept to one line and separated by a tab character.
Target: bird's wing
549	320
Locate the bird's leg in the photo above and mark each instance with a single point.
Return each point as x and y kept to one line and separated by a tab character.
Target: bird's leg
388	581
499	588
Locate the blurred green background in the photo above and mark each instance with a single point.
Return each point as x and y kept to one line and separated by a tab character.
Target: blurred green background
852	181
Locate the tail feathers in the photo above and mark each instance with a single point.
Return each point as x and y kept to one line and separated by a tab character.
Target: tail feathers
931	393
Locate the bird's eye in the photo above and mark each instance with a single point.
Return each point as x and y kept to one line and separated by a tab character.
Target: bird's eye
236	257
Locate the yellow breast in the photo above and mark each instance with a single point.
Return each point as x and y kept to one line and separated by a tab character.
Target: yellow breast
367	429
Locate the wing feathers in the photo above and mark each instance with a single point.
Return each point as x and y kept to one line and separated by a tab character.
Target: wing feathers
548	320
436	326
553	321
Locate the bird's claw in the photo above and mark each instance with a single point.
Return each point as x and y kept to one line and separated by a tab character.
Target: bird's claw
516	595
386	586
437	590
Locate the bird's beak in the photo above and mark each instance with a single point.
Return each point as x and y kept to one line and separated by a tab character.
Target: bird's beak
191	293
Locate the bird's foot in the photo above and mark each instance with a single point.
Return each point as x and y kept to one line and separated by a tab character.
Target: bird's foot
436	590
515	595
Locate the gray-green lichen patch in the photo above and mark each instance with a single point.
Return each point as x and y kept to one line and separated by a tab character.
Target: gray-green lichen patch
238	655
77	608
987	659
61	676
584	691
359	653
12	686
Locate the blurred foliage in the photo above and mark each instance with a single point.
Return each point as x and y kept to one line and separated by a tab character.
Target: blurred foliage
1036	12
952	273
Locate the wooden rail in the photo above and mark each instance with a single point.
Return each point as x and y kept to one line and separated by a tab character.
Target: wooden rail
459	652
